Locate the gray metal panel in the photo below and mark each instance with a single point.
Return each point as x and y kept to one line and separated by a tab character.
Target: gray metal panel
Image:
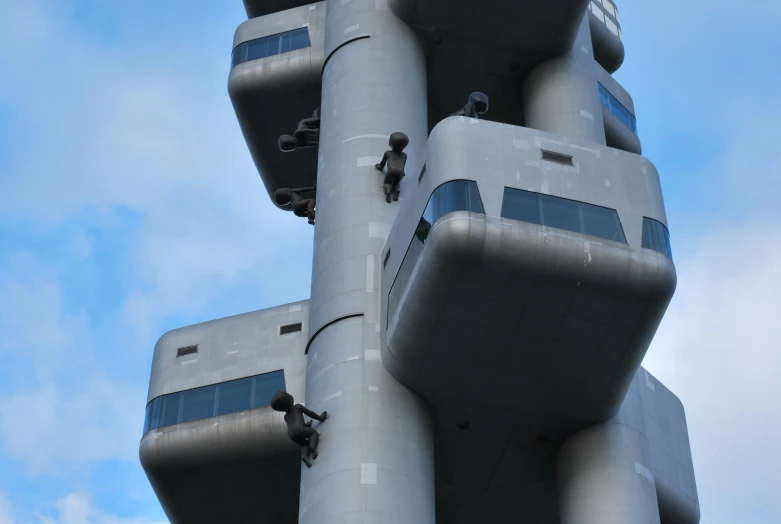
498	155
376	463
239	459
256	8
224	469
560	95
232	348
608	48
618	136
540	320
549	26
272	94
669	450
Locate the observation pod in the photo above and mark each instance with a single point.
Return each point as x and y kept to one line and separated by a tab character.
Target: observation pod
213	449
534	281
273	84
606	36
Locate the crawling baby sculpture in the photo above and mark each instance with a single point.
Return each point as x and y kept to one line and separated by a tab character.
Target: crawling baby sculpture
299	431
396	159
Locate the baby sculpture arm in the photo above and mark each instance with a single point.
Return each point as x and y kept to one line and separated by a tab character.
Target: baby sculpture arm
382	163
311	414
305	189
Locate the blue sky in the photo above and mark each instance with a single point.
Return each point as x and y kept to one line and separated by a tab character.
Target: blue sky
129	205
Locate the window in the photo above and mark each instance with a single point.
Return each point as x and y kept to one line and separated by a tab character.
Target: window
562	213
290	328
598	12
456	195
615	107
235	396
656	237
198	403
270	45
217	399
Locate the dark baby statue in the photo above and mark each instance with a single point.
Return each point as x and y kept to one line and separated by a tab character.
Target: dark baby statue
299	431
307	134
476	107
396	159
302	207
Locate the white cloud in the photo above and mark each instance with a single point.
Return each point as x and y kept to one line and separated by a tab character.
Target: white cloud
60	431
718	350
78	508
6	510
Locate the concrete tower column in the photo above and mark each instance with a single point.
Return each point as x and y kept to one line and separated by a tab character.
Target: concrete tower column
376	462
603	477
561	95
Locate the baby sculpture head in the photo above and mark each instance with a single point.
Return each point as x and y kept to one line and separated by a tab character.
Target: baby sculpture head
479	102
398	141
282	196
282	401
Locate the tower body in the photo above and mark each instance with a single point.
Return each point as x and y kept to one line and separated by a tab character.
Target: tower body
476	342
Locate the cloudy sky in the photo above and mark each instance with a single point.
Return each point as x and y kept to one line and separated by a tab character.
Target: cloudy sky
129	205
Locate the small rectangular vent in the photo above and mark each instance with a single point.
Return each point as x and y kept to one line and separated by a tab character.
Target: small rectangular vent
290	328
558	158
422	172
387	257
186	350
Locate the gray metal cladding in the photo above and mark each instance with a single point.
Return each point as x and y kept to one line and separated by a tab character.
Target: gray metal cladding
503	382
270	95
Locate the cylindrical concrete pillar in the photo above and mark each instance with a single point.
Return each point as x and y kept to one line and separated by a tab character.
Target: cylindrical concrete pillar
376	462
603	477
561	95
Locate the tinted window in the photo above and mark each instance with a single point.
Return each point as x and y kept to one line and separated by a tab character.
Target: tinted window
602	222
521	205
456	195
235	396
170	414
656	236
299	38
560	213
617	108
265	387
270	45
257	49
198	403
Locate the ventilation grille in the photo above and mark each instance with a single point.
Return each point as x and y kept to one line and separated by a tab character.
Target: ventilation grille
557	158
290	328
186	350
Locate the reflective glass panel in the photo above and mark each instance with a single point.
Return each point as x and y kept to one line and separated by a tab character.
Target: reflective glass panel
456	195
617	108
560	213
521	205
235	396
257	48
656	237
299	39
265	387
170	409
271	45
602	222
198	403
